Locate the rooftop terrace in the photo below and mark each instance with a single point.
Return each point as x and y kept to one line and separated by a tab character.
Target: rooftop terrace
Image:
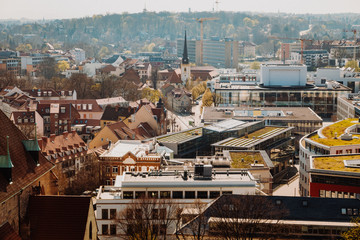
244	159
336	163
327	135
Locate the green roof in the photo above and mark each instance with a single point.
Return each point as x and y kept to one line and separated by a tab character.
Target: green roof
31	145
5	161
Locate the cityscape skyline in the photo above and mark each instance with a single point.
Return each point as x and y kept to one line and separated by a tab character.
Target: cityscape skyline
39	9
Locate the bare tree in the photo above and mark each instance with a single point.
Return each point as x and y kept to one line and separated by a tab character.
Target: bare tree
245	217
198	226
148	218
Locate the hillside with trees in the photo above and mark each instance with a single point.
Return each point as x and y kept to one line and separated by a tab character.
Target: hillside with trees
149	31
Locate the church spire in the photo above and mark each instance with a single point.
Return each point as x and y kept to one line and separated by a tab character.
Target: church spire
185	59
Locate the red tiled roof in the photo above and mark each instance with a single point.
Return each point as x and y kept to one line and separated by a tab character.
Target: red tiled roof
122	131
8	233
66	142
58	217
131	76
174	78
25	170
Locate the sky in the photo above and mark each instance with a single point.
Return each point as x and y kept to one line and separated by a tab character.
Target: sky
55	9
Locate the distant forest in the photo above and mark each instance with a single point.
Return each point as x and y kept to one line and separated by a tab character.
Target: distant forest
150	31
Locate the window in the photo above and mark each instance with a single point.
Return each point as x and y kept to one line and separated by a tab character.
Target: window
227	192
177	194
112	213
139	194
62	109
104	214
153	194
343	211
165	194
214	194
107	182
32	120
190	194
305	203
154	214
84	106
115	169
90	106
19	120
56	115
128	195
90	231
107	169
105	229
25	120
112	229
202	194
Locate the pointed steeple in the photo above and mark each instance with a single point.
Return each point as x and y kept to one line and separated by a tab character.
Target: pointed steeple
185	59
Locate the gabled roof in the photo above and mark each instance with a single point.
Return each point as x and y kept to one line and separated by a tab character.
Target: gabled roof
131	76
66	142
123	132
58	217
113	113
25	170
174	78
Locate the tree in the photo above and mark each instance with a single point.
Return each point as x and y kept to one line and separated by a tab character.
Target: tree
245	216
154	77
255	65
353	233
47	68
24	47
198	90
194	213
104	51
339	54
151	94
63	65
82	84
353	64
86	178
207	99
148	218
128	90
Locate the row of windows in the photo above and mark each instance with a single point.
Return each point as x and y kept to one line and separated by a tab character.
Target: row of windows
336	194
25	120
108	230
174	194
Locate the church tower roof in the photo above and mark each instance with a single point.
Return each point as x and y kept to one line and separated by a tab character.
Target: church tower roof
185	58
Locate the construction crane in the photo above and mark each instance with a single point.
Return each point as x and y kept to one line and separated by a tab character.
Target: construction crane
201	21
302	40
354	31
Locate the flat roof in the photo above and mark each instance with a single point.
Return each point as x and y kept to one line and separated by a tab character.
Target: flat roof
337	163
175	180
251	113
326	136
180	137
225	125
253	138
244	159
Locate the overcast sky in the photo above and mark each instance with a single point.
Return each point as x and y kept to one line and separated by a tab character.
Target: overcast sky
52	9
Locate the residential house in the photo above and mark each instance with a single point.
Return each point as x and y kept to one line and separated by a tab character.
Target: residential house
69	153
179	100
154	116
57	117
62	217
29	122
131	76
51	94
144	70
86	128
87	108
126	156
120	131
115	114
24	171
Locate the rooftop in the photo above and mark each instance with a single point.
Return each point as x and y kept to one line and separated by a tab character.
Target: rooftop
225	125
121	147
330	135
245	159
337	163
183	136
281	113
252	138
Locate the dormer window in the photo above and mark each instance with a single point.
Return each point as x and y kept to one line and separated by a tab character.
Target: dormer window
32	120
49	93
90	106
25	120
70	93
84	106
62	93
39	94
62	109
19	120
44	94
